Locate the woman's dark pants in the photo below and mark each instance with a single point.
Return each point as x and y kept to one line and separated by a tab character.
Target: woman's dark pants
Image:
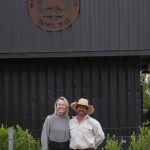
58	146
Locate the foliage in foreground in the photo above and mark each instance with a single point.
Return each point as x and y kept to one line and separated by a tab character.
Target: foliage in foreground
142	141
23	140
138	142
112	143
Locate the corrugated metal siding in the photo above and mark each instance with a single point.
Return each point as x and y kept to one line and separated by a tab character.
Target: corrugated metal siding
29	89
103	27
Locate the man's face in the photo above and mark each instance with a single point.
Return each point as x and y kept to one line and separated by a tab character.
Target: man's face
82	110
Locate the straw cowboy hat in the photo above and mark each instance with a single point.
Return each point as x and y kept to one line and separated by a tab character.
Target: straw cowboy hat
84	102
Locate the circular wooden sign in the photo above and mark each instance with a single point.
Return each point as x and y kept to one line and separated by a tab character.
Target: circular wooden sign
53	15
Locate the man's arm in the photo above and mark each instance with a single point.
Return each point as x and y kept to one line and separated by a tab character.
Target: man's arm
99	134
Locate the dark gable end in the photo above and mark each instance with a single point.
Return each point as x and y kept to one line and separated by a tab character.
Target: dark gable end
101	28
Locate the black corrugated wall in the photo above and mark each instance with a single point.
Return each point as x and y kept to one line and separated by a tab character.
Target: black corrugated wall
103	27
30	87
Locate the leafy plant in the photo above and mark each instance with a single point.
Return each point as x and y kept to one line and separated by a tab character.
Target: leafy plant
3	138
142	141
23	140
112	143
145	79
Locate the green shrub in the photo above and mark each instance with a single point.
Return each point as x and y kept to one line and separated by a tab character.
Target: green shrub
112	143
3	138
138	142
23	140
145	79
141	141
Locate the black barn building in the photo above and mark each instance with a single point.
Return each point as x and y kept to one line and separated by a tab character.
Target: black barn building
97	53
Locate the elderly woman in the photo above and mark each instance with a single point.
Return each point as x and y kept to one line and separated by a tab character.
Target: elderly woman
55	132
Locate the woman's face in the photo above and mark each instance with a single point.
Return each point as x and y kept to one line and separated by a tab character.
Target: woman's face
61	107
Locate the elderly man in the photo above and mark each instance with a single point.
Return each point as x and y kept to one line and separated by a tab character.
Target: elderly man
86	132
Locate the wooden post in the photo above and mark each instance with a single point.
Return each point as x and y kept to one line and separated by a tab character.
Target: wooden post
10	138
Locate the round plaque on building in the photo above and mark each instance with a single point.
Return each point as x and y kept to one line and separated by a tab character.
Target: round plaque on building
53	15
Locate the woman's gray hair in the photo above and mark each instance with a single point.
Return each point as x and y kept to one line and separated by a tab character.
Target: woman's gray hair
66	103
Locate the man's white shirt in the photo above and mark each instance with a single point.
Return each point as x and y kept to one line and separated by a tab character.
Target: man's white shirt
86	134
